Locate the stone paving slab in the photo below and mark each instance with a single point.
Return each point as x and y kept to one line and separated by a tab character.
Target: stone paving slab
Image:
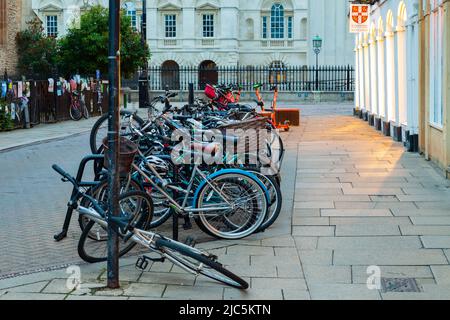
357	201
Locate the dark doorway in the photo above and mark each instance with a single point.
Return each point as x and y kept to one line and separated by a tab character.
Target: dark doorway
207	74
170	75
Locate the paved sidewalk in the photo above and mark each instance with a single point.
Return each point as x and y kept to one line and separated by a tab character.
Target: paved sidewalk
357	200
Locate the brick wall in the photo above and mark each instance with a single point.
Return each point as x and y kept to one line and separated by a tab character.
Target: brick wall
10	23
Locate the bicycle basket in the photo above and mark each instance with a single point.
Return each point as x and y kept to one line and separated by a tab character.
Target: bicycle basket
128	151
249	134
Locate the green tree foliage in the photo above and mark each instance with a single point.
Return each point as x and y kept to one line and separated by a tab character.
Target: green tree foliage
6	123
84	50
36	51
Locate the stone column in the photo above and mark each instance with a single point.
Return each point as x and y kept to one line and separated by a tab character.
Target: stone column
362	100
357	102
390	77
381	78
189	31
367	76
229	31
401	76
373	76
153	28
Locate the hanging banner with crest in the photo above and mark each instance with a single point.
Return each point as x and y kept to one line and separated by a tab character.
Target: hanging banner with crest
359	18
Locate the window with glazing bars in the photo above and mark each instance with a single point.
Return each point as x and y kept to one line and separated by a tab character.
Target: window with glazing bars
208	25
52	26
264	27
277	21
133	17
290	31
171	26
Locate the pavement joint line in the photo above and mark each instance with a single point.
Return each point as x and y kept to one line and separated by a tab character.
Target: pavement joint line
48	283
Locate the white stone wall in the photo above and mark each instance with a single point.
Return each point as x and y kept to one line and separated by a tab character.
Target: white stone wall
238	30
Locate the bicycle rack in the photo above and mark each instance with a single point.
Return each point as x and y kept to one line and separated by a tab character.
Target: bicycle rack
98	165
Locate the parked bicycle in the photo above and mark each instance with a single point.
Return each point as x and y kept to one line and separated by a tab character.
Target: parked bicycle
135	208
78	107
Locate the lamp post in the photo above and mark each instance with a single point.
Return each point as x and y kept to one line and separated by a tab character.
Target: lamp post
113	141
317	46
143	78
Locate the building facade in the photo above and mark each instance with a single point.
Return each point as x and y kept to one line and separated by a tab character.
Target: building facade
226	32
10	24
403	68
238	32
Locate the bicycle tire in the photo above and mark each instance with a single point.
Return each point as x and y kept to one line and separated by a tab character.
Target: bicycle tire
97	192
245	228
97	149
276	195
86	240
75	113
170	247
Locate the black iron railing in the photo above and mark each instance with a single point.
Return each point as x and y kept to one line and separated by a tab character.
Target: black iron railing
289	79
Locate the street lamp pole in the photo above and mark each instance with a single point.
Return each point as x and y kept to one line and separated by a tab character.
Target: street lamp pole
317	46
113	142
143	78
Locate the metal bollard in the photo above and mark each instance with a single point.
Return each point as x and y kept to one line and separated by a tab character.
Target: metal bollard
26	111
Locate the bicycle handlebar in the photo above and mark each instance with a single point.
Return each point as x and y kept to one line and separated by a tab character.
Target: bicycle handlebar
67	176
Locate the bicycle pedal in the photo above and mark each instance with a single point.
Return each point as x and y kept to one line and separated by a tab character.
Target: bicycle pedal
190	242
142	264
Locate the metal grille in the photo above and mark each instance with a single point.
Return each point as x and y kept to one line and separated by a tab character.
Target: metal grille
399	285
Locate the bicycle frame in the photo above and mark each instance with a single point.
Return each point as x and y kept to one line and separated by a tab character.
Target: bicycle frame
184	208
144	238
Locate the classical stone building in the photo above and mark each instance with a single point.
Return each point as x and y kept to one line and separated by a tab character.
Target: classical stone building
403	75
232	32
10	24
227	32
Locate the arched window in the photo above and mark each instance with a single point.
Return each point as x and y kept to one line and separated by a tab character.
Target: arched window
277	21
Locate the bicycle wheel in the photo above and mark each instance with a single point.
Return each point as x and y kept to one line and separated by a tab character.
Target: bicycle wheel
100	129
200	263
135	205
162	211
243	215
100	193
275	199
75	112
